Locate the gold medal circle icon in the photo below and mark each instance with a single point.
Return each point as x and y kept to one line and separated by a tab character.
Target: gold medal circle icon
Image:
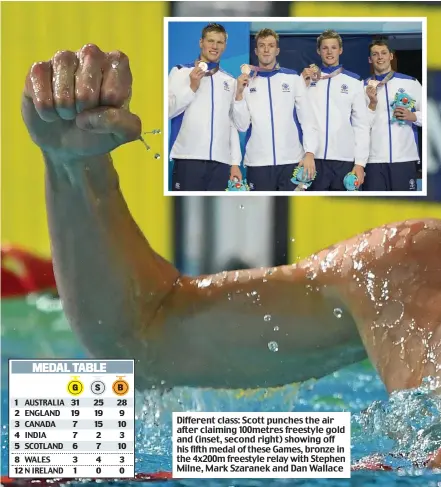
120	387
75	387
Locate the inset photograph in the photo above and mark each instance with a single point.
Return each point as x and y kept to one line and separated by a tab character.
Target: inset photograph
310	107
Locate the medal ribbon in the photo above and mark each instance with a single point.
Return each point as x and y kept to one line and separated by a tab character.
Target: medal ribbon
385	80
317	76
331	75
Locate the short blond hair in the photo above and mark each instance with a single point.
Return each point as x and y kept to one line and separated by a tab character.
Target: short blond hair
329	34
264	33
213	27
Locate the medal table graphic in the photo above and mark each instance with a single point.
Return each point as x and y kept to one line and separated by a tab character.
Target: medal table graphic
71	419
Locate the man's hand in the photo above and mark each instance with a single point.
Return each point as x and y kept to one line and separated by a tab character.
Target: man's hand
371	92
235	172
307	74
242	82
195	78
402	113
359	172
309	164
76	104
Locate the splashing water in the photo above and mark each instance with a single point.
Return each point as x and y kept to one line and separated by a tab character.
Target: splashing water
267	317
141	138
407	426
273	346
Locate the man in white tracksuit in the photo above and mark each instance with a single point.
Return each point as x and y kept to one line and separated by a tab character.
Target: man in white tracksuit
269	105
204	144
394	155
338	100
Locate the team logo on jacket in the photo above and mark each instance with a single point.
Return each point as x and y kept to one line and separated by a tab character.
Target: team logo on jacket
344	89
286	88
253	90
401	90
412	184
226	86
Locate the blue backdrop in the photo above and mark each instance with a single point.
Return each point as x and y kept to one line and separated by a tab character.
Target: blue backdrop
183	47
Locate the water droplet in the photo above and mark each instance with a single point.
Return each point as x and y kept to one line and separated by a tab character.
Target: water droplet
267	317
204	282
338	312
273	346
293	240
162	382
311	275
241	207
157	156
276	328
253	293
115	64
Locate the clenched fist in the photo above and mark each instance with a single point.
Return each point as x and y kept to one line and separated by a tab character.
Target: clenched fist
77	104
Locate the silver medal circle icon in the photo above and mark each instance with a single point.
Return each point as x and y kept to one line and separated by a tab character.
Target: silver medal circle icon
203	66
97	387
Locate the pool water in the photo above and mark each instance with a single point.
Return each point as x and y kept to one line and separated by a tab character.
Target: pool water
394	429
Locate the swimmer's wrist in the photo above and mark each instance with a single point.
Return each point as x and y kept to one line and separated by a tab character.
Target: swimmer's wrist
96	172
60	159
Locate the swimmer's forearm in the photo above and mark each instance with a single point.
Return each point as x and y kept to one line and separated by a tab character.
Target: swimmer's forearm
110	279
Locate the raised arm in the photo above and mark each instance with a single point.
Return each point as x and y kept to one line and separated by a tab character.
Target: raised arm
109	278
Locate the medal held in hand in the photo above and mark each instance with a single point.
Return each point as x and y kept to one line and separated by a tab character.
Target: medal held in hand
373	82
316	72
249	68
318	75
208	68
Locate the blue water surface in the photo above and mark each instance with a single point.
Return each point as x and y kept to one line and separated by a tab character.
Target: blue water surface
398	431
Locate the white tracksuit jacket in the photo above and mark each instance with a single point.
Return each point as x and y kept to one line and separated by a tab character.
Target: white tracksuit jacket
201	125
343	122
272	106
390	141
